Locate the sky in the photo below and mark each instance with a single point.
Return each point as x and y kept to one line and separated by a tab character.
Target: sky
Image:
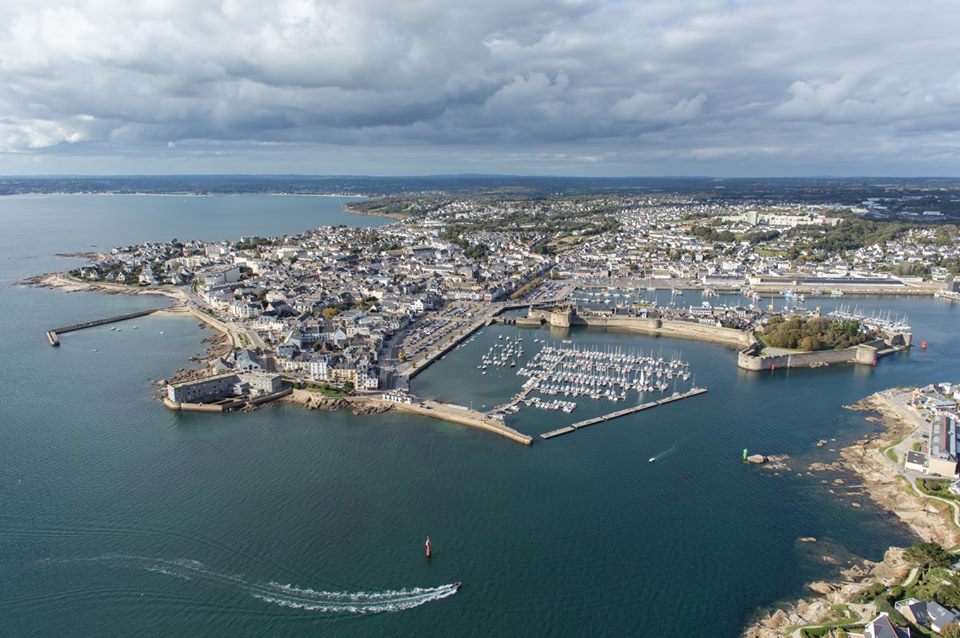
526	87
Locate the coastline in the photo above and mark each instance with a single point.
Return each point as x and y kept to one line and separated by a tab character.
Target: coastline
373	404
358	404
929	519
69	284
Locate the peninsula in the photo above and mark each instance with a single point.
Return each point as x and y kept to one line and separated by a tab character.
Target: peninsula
359	312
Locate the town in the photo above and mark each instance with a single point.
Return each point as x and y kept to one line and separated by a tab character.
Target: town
360	311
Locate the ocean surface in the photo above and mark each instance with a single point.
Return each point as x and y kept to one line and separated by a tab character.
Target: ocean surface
122	518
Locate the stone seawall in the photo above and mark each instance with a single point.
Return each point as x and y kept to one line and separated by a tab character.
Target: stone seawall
659	327
668	328
202	407
748	359
461	416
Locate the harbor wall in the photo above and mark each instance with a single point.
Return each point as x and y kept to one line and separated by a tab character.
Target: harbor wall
461	416
750	359
53	335
424	363
662	327
201	407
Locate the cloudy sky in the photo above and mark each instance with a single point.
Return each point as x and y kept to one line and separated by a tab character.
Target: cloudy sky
574	87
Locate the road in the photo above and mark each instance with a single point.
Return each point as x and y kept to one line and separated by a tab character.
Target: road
239	332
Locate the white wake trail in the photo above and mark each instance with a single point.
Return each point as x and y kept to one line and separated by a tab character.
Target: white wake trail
331	602
666	452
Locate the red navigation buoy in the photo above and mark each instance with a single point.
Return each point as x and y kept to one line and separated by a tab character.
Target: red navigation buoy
428	547
923	345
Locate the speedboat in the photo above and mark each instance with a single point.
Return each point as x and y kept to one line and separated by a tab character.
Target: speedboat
652	459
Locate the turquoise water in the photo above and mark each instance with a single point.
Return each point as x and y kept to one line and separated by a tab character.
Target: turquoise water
122	518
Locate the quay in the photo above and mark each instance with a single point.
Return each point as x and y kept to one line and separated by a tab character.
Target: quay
460	415
53	336
619	413
490	316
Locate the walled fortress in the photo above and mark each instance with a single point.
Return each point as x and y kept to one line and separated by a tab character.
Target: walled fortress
749	356
567	316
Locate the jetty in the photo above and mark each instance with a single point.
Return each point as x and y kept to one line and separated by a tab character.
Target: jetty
53	335
620	413
458	414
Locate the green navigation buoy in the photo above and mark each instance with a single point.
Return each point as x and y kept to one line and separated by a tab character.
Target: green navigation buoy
744	454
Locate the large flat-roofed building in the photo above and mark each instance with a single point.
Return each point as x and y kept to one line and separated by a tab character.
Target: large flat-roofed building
224	386
943	446
941	455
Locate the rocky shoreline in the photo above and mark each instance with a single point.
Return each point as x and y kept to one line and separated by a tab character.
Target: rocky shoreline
69	284
357	405
929	519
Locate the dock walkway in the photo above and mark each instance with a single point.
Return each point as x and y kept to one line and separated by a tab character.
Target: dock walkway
619	413
53	336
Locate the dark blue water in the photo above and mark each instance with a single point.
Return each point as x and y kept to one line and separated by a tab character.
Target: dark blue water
122	518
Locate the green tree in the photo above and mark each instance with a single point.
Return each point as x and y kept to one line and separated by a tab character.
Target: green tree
928	555
951	631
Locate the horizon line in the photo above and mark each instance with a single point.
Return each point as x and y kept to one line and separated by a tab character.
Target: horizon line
457	175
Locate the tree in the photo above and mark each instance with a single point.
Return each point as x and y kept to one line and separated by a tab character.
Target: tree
330	312
951	631
928	555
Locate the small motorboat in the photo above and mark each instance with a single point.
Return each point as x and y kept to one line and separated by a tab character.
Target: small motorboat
457	585
652	459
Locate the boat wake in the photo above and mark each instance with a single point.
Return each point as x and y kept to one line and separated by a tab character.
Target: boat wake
665	453
330	602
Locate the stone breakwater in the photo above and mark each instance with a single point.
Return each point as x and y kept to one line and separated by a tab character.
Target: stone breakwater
929	519
432	409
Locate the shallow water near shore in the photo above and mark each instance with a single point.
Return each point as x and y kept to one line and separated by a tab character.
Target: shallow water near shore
122	518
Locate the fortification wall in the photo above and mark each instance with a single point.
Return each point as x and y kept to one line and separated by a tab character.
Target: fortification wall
865	355
677	329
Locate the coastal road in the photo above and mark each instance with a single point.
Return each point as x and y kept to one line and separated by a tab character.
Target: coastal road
234	329
897	401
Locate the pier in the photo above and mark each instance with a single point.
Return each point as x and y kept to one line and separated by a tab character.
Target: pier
53	336
619	413
458	414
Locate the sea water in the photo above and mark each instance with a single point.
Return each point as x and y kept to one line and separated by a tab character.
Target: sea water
120	517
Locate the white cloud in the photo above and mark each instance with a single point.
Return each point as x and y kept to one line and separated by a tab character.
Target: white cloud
644	107
590	79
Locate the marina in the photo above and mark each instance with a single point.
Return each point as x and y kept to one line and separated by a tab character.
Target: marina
569	371
883	320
